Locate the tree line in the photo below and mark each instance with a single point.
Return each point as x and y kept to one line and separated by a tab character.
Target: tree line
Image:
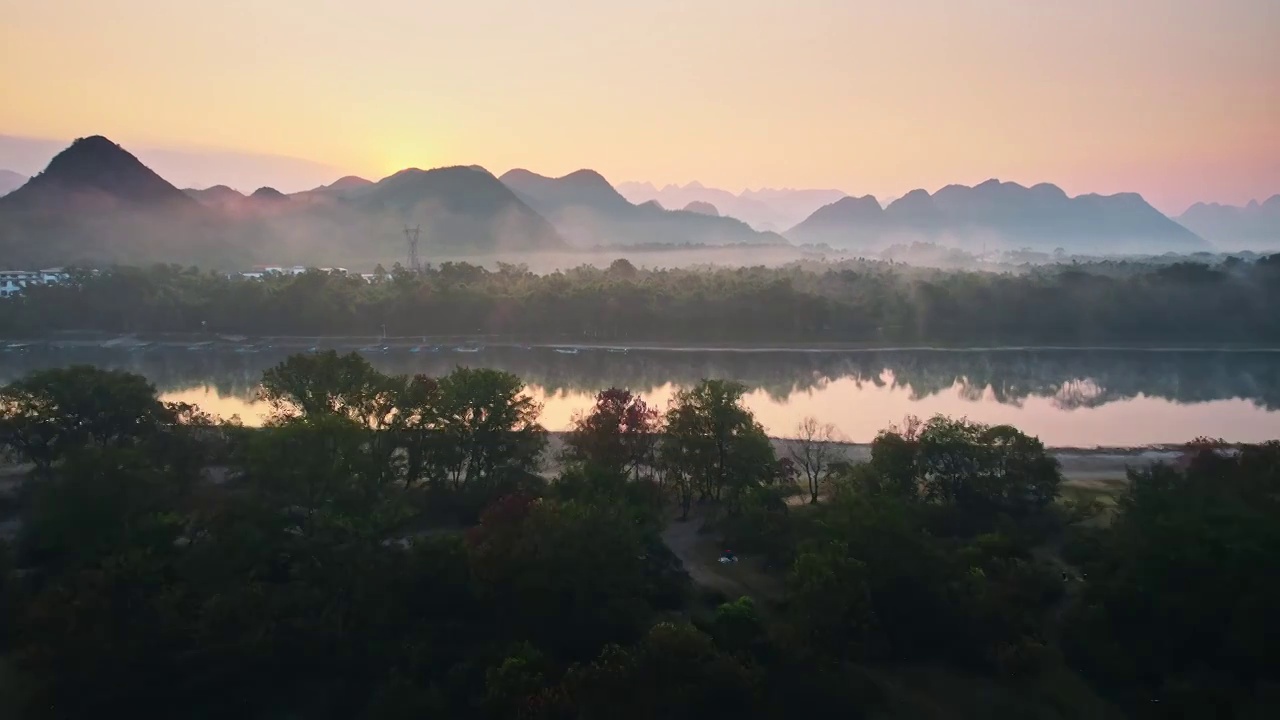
861	301
388	546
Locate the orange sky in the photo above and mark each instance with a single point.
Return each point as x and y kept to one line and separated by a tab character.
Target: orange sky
1177	99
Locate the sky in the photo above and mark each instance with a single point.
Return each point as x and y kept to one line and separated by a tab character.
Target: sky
1176	99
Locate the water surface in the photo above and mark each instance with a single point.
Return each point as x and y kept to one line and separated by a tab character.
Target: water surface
1068	398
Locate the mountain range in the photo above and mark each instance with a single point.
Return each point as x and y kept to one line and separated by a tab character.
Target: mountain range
999	215
1255	226
766	209
184	167
589	212
96	203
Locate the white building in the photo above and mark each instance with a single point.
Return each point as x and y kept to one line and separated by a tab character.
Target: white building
264	271
14	282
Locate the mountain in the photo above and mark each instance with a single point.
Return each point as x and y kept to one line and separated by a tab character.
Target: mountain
1000	215
347	182
98	169
218	195
345	186
589	212
764	209
96	203
458	209
702	208
10	181
268	195
1255	226
185	167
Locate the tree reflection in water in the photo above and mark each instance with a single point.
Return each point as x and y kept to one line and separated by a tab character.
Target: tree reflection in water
1068	379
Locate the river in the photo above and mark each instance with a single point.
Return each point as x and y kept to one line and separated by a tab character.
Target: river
1069	398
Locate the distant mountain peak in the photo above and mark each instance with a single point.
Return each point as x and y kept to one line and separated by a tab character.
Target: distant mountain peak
1048	190
1002	213
10	181
268	194
586	178
97	165
702	208
348	182
216	195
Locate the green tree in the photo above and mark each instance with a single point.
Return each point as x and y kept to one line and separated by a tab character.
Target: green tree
978	470
714	444
327	384
1178	606
675	672
49	413
486	422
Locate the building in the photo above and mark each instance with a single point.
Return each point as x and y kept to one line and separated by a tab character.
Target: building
263	271
14	282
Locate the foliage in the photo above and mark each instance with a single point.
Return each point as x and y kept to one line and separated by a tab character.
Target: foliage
974	472
619	435
314	581
1179	604
713	445
49	412
1118	302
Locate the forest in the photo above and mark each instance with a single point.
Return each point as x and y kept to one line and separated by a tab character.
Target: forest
872	303
390	546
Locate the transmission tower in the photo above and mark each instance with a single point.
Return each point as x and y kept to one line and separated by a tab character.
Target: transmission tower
411	236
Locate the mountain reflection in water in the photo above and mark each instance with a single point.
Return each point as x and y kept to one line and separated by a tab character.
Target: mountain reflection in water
1067	397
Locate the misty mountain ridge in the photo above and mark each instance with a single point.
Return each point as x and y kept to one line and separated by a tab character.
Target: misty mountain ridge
590	212
96	168
185	167
999	215
216	195
10	181
702	208
1255	226
98	204
769	209
269	195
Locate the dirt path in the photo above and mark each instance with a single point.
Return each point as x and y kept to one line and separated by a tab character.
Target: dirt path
700	554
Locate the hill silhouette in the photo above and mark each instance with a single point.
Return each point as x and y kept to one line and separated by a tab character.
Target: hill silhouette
1000	215
769	209
458	209
216	195
345	186
10	181
1255	226
702	208
268	195
96	204
589	212
94	167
